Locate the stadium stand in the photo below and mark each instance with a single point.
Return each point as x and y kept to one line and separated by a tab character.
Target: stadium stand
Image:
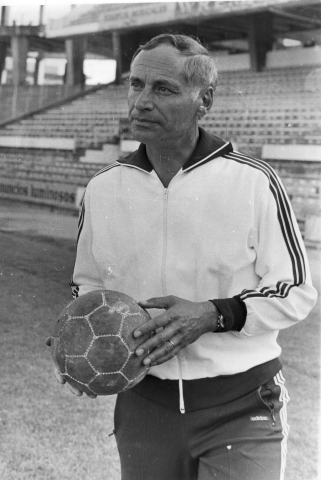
253	109
16	101
91	120
267	102
267	107
263	114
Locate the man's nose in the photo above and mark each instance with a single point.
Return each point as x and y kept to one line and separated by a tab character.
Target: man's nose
144	100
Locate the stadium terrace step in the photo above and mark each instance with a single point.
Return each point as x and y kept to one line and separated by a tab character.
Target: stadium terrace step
127	146
109	154
292	152
38	142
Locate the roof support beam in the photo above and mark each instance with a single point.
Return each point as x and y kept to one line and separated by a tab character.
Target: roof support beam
75	54
19	52
4	15
260	39
117	55
3	54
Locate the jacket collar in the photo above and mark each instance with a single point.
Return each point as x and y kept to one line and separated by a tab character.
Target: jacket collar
208	147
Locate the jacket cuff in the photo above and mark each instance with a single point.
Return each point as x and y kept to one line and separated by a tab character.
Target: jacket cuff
234	312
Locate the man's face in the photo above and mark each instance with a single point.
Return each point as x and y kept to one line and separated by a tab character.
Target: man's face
162	106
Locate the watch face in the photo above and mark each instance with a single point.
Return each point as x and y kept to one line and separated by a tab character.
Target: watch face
220	323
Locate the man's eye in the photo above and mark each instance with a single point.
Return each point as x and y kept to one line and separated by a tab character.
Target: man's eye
135	85
164	89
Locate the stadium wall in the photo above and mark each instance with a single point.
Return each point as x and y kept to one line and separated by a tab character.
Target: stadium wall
276	59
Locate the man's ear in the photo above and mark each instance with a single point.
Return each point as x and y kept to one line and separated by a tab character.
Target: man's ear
206	101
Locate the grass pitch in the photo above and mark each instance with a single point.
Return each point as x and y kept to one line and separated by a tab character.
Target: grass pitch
46	433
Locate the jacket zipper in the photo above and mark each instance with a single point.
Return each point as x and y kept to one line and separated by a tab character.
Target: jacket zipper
164	288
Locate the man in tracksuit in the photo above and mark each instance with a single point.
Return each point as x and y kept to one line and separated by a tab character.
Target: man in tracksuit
205	238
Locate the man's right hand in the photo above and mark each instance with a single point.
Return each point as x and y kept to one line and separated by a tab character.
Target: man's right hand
61	379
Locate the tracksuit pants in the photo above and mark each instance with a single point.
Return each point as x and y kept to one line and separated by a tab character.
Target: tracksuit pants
241	440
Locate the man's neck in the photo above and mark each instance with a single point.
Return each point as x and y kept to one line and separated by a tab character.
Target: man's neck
168	160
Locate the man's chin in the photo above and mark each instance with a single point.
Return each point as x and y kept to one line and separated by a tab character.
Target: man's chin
143	135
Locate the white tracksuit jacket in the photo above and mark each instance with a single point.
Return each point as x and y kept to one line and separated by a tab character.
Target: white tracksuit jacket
223	227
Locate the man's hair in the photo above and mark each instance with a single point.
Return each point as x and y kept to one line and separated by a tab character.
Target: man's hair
199	70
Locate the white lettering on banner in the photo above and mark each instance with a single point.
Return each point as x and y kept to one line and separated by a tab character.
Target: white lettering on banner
128	15
53	194
16	189
194	9
47	193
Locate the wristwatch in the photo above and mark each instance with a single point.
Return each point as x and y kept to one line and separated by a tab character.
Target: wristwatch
221	326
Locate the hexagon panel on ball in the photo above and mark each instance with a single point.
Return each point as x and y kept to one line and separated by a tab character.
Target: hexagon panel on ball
86	304
79	369
108	384
103	323
134	370
115	354
77	336
80	386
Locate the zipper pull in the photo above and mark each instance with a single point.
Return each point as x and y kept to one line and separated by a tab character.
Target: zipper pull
273	415
181	401
180	387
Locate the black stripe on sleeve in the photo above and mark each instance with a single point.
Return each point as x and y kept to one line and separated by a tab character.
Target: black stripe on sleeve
286	225
81	219
105	169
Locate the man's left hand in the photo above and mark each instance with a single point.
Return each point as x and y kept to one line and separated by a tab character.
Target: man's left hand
182	324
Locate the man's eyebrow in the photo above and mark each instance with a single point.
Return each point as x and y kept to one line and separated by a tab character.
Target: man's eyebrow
160	81
166	83
137	79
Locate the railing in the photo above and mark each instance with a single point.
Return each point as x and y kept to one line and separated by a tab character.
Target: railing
19	100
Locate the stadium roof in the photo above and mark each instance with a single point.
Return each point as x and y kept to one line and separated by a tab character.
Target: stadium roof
222	25
214	22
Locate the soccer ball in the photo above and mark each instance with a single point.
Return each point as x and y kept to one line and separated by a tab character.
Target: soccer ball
93	346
